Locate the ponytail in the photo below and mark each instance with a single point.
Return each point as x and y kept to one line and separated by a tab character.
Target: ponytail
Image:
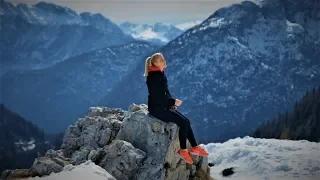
147	64
150	61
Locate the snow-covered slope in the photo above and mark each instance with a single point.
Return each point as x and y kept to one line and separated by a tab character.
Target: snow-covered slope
64	91
274	159
84	171
239	67
159	33
40	35
187	25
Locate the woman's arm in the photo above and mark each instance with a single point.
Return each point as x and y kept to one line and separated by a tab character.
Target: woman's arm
168	92
170	97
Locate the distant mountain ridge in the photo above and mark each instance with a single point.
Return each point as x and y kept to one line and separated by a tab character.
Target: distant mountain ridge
158	33
41	35
63	92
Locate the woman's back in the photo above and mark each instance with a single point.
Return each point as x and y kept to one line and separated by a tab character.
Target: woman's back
157	88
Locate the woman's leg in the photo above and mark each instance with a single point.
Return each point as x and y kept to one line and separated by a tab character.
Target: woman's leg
171	116
190	134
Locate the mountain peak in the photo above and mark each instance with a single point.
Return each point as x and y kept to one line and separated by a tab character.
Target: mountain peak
53	8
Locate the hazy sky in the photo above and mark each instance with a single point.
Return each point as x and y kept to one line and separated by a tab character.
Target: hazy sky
145	11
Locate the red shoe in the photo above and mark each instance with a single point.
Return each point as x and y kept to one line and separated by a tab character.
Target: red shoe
184	154
197	150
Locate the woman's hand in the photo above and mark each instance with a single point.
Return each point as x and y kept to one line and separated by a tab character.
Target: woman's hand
178	102
174	107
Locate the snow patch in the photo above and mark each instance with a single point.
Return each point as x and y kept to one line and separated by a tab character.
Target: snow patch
188	25
26	145
256	158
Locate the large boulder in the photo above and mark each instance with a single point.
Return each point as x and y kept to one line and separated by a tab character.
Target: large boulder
160	141
45	165
122	160
18	174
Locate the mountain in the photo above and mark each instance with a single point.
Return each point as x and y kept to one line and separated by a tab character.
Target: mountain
63	92
237	68
302	123
21	140
188	25
41	35
158	33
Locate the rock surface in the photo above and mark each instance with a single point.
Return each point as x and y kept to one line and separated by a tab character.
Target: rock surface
130	145
160	141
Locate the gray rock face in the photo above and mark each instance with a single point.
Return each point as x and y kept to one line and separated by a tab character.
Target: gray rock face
122	160
130	145
160	142
45	165
96	130
18	174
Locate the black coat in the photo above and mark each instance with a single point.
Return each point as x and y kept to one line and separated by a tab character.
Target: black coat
159	97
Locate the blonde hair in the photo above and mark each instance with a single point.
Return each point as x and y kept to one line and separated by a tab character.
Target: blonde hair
151	60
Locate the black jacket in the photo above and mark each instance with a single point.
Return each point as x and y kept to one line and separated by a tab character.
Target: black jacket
159	97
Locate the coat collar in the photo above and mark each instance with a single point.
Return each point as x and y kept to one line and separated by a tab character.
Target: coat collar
154	68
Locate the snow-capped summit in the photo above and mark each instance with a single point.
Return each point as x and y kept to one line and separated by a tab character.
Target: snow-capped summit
187	25
160	33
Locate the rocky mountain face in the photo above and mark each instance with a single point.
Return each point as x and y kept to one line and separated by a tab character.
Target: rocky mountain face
239	67
41	35
21	141
158	33
63	92
130	145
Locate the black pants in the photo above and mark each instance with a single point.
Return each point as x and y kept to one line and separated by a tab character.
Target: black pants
185	131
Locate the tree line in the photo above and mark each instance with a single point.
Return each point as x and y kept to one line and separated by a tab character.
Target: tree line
302	123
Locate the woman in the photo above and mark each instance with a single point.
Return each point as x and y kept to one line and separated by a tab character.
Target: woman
163	106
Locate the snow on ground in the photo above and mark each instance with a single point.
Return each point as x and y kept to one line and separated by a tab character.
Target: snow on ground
84	171
265	159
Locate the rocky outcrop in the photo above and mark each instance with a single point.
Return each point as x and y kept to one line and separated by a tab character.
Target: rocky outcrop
130	145
160	141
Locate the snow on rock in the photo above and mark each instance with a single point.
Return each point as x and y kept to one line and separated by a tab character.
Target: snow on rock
86	170
255	158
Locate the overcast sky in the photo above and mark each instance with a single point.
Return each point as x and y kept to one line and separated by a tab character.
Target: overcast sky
145	11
